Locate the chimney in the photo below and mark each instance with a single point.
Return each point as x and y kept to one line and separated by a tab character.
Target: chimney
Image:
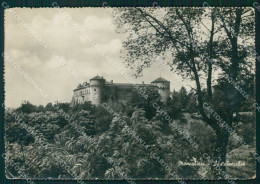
111	81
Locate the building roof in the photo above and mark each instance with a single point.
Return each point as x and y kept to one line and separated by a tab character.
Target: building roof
132	85
160	79
97	78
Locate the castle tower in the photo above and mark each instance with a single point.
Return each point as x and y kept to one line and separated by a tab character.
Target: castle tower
97	84
163	88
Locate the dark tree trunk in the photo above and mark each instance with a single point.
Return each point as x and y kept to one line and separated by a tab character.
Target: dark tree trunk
222	136
209	83
219	153
209	88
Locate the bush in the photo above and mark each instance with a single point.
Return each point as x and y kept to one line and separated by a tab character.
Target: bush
80	135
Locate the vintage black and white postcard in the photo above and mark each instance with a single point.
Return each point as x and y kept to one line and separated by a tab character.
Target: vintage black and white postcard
130	93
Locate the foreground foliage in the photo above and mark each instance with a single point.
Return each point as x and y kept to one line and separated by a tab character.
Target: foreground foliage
87	141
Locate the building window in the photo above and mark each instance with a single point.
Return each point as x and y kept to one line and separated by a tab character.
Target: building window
94	89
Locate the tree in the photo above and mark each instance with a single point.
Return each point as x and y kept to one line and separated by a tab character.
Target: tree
195	49
49	107
192	104
40	108
27	107
64	106
183	97
173	105
85	106
140	101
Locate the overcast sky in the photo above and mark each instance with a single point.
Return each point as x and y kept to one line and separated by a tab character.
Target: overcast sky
33	35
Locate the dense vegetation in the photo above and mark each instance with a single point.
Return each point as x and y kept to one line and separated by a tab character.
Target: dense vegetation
137	141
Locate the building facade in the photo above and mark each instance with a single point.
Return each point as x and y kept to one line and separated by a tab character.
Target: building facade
99	91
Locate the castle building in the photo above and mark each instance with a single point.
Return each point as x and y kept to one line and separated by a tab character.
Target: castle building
99	91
